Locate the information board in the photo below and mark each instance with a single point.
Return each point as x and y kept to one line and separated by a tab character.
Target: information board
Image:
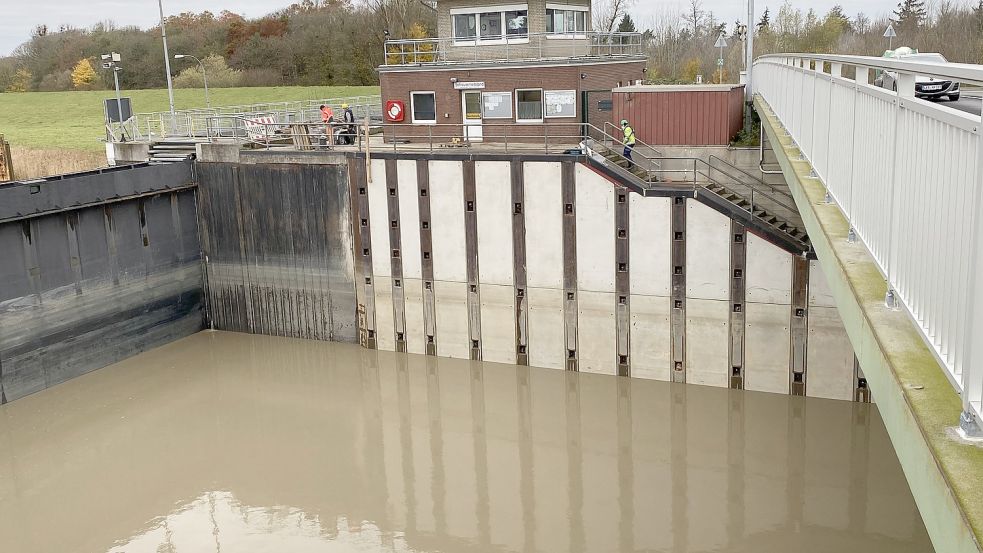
497	105
561	103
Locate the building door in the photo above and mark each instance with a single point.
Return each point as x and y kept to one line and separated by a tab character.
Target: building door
471	100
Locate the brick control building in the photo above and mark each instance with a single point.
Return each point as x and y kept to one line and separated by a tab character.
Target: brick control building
502	69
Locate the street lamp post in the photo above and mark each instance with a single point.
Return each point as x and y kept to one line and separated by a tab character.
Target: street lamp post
204	75
167	61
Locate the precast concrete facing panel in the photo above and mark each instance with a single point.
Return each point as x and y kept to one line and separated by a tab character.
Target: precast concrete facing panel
409	215
650	234
494	213
595	232
384	314
498	323
379	211
708	247
650	337
597	332
767	347
707	336
546	327
447	221
544	225
769	272
416	332
453	338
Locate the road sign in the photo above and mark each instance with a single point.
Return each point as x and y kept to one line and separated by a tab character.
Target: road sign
889	33
721	42
720	62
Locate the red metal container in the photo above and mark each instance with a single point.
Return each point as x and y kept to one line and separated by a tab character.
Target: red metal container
681	115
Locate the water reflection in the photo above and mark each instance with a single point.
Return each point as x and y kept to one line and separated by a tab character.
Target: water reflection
228	442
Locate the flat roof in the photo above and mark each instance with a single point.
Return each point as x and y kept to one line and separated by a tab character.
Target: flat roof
679	88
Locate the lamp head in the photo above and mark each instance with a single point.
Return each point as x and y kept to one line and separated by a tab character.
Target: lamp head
179	56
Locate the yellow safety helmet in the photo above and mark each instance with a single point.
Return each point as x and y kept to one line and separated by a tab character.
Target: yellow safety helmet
344	106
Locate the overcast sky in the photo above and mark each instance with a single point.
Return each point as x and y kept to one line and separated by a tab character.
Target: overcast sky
20	16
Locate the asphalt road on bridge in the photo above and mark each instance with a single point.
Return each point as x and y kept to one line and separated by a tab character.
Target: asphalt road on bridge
968	103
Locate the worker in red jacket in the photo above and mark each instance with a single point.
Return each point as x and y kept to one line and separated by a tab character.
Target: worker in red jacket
327	117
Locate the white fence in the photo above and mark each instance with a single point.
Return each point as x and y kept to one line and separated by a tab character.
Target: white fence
908	175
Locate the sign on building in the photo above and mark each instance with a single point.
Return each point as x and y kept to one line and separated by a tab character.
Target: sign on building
469	85
561	103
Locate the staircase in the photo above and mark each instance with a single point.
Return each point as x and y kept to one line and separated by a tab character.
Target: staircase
718	184
170	151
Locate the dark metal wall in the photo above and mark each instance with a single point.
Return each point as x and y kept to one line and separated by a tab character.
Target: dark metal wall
278	249
95	268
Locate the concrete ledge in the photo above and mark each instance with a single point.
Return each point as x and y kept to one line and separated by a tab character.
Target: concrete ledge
916	400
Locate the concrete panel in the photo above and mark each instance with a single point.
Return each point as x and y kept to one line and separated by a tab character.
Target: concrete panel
379	221
708	253
544	225
650	340
452	319
597	332
447	214
830	355
416	335
766	344
819	293
769	272
384	317
650	238
409	219
707	333
497	323
595	232
546	328
493	196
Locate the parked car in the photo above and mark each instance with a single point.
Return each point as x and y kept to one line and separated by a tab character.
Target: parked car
926	87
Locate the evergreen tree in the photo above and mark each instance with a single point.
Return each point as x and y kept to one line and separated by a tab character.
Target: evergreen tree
766	19
909	15
627	25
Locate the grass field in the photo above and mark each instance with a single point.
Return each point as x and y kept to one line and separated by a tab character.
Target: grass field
74	120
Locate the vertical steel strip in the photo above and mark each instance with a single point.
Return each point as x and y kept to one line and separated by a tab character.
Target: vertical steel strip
738	268
677	317
519	263
75	258
395	244
363	254
861	392
29	230
471	247
426	255
622	281
569	188
799	325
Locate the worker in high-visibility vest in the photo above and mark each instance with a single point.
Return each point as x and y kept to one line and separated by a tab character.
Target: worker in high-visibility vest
629	141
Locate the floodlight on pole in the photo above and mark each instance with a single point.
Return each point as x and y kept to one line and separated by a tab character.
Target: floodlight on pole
167	60
204	75
110	61
889	34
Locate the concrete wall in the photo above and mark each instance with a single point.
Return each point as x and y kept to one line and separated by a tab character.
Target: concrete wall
87	281
563	269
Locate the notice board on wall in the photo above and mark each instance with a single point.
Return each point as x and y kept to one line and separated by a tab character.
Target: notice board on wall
561	103
497	105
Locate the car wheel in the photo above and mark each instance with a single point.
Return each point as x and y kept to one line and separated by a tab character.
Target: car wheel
953	97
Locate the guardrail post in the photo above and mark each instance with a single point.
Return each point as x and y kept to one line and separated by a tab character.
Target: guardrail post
906	91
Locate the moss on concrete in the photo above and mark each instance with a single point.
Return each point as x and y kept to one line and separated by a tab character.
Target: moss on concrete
916	399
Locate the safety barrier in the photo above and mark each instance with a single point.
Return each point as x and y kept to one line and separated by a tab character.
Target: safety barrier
907	174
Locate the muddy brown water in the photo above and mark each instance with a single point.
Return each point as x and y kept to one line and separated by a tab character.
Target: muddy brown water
226	442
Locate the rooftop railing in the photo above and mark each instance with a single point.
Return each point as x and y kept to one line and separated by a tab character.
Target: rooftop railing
513	48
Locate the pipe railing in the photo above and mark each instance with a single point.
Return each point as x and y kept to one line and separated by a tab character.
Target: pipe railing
908	176
199	122
512	47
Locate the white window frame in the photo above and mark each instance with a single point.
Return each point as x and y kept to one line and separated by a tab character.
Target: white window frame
570	8
561	116
542	103
477	11
509	117
413	118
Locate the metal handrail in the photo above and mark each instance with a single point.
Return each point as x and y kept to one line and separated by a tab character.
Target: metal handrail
506	48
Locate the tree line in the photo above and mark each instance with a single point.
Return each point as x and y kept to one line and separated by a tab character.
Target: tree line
681	44
311	42
341	42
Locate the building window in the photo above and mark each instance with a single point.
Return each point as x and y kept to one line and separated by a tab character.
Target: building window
490	24
529	105
517	23
497	105
424	107
465	27
572	21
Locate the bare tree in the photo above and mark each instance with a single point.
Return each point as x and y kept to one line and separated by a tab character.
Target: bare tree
694	16
607	13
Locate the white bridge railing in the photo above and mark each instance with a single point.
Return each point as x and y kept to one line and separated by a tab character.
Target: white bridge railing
908	175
